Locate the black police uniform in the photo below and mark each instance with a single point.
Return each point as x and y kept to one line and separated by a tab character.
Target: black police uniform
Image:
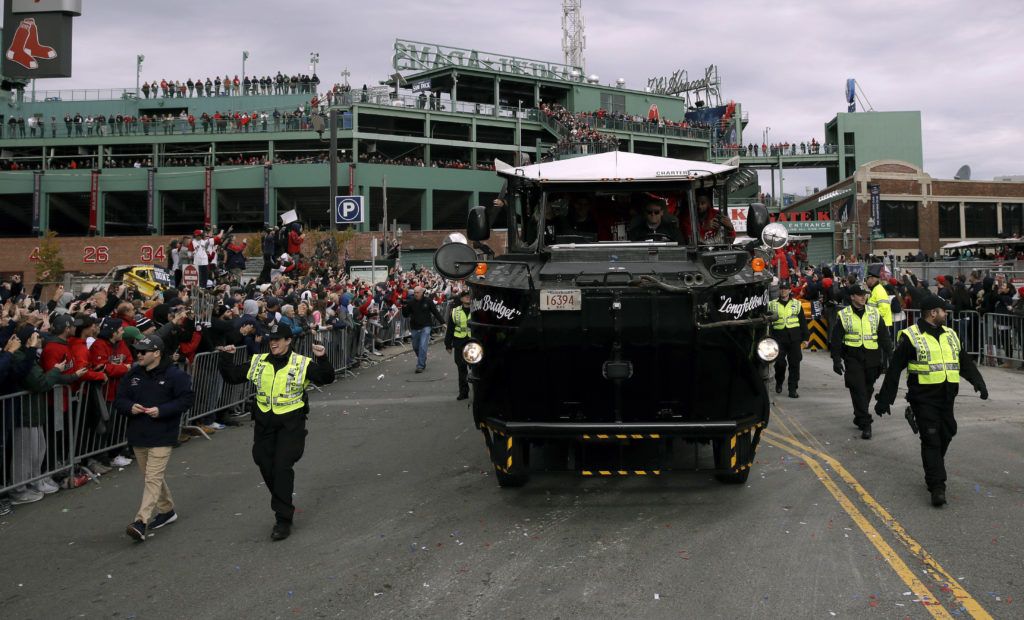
932	405
862	368
790	351
279	439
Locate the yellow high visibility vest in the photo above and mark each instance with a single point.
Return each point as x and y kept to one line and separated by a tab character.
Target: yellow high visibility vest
861	331
788	313
937	361
280	392
461	319
880	299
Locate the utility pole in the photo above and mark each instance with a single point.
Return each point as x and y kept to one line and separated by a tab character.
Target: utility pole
334	167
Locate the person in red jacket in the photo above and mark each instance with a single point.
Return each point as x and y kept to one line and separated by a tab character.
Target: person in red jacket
295	239
110	352
85	328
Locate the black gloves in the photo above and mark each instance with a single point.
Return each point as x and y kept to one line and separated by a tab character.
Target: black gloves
881	409
837	367
983	390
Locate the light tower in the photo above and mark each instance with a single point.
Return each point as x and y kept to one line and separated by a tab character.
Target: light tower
573	39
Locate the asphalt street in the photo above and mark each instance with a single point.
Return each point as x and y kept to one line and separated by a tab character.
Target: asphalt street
400	517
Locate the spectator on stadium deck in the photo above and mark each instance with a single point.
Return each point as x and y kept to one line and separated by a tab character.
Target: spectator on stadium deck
153	396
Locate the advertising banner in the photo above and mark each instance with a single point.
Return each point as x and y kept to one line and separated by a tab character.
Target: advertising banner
150	196
875	190
37	38
94	199
207	196
37	195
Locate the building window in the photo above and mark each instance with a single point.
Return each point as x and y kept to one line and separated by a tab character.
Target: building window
612	103
899	219
949	220
980	219
1013	219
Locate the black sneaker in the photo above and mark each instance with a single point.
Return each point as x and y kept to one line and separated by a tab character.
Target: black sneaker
137	530
793	394
778	388
282	529
419	370
938	497
163	519
462	397
865	433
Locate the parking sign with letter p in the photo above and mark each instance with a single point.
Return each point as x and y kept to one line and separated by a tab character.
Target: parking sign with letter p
348	210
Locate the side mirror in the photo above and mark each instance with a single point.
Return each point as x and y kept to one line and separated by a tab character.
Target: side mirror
775	236
455	260
757	219
477	228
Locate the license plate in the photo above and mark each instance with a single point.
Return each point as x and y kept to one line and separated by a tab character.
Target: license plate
561	299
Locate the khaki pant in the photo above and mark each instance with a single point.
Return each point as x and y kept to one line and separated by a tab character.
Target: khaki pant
156	497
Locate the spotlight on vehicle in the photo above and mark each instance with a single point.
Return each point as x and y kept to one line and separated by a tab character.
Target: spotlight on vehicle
473	352
767	350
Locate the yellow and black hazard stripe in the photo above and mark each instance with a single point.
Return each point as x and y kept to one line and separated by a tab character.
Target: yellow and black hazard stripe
818	339
621	472
621	436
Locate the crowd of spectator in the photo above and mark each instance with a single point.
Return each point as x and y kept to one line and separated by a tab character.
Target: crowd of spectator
84	339
279	84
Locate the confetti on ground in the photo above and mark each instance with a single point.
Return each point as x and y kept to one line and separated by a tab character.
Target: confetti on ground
657	596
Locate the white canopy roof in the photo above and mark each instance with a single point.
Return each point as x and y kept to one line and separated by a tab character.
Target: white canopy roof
614	167
971	243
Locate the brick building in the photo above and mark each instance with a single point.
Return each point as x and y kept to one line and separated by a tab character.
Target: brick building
914	210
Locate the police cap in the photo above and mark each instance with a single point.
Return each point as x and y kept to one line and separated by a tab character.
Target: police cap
279	331
932	302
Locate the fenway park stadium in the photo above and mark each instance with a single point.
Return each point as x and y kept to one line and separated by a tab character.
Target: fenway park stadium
117	173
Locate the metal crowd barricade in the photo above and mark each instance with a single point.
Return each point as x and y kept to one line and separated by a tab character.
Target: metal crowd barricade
1003	336
97	427
211	392
966	323
36	437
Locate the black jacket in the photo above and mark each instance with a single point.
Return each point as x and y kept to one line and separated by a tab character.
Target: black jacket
420	311
868	357
166	387
937	394
642	232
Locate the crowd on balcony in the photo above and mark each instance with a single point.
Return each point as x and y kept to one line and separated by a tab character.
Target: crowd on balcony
279	84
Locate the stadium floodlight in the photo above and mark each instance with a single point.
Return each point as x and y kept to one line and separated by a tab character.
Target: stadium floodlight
245	56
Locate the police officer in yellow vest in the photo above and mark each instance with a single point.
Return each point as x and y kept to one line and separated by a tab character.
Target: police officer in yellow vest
935	361
456	336
879	297
790	331
860	348
281	406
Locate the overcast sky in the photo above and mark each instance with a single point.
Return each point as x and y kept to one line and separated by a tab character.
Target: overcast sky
786	61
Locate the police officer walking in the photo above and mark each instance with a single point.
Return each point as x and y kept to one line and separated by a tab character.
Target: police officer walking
860	349
790	331
935	361
456	336
879	296
280	379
